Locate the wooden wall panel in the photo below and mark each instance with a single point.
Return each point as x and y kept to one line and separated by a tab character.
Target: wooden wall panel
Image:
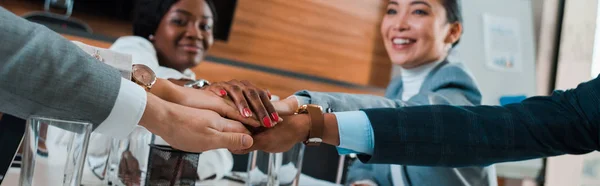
336	39
278	85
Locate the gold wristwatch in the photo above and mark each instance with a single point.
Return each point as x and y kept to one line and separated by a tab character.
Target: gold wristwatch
143	76
317	122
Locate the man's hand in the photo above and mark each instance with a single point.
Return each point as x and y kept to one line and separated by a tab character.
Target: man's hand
191	129
201	99
294	129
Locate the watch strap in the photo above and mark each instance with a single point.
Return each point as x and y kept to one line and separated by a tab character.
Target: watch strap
317	122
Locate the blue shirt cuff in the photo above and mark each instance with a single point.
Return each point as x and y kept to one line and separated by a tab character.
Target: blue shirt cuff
356	133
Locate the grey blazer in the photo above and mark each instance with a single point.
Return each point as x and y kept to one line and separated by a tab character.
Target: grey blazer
447	83
42	73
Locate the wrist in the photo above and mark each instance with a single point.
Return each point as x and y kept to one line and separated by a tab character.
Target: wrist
155	115
330	130
167	90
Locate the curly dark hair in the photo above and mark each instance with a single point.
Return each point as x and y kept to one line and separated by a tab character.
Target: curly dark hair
149	13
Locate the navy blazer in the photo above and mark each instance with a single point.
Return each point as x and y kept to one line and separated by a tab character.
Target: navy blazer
567	122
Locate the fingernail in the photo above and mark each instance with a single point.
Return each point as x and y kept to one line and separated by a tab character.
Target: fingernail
275	116
269	94
280	120
246	141
223	92
267	122
247	113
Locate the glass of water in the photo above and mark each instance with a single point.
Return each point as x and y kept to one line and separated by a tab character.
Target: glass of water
272	169
54	152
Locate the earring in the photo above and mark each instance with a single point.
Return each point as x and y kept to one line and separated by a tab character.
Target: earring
151	37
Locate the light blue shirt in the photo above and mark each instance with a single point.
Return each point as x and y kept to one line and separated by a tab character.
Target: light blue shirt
356	133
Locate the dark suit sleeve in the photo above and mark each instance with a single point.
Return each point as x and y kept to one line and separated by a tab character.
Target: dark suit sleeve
563	123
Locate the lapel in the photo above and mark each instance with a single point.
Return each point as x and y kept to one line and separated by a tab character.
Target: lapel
394	89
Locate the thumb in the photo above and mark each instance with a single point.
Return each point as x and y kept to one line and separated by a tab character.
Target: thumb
235	141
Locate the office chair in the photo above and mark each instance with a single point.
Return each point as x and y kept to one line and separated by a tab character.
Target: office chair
53	20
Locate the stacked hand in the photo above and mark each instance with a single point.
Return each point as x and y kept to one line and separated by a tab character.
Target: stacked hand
276	134
235	115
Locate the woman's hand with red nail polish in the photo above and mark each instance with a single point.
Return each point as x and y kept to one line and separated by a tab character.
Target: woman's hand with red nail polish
251	101
210	100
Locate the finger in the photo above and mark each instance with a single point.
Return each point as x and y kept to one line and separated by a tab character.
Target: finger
232	113
253	96
236	128
270	108
217	90
234	141
257	106
237	95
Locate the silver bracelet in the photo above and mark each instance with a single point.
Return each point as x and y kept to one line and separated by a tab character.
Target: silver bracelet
197	84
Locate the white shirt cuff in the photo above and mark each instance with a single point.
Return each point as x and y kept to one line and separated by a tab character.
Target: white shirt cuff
127	112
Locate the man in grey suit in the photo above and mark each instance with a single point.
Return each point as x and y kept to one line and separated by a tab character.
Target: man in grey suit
41	73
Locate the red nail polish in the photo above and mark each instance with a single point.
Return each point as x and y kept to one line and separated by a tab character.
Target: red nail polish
223	92
275	116
267	122
247	112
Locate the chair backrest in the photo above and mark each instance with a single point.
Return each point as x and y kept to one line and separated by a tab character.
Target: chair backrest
53	20
62	4
58	21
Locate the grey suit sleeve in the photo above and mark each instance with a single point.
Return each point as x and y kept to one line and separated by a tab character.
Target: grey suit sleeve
451	85
41	73
340	102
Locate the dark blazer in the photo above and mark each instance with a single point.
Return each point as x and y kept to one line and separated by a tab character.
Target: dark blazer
567	122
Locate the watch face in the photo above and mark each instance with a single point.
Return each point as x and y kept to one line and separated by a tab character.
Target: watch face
143	74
